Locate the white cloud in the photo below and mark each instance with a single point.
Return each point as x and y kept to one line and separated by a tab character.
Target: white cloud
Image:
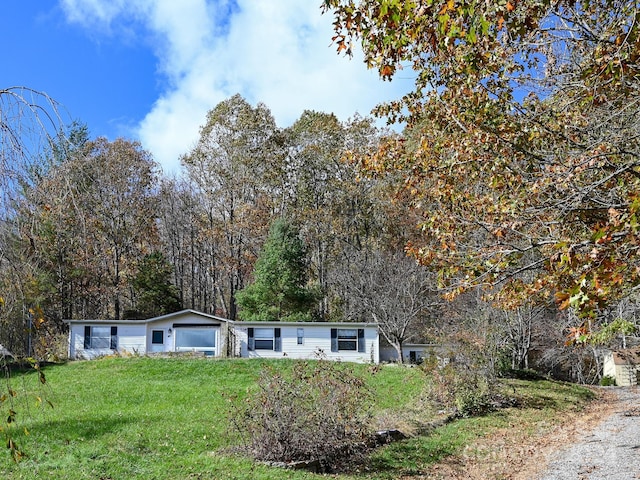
273	51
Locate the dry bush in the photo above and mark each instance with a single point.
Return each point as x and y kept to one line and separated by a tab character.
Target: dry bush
318	411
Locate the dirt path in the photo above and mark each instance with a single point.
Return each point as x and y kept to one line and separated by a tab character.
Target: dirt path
610	451
599	442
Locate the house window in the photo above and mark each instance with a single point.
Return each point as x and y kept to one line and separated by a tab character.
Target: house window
300	336
347	339
264	339
157	337
99	337
196	339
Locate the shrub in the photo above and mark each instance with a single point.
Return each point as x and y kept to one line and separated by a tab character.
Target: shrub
608	381
317	412
458	388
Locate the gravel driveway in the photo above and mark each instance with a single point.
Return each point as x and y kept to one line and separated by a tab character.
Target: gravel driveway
609	452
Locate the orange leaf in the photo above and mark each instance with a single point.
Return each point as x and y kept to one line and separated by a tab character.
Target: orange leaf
386	71
510	7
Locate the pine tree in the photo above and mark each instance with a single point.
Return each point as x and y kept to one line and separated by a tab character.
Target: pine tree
152	284
279	290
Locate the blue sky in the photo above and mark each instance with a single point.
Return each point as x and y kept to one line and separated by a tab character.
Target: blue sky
150	69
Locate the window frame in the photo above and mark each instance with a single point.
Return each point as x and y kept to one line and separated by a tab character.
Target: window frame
153	337
107	342
182	333
275	338
339	339
347	339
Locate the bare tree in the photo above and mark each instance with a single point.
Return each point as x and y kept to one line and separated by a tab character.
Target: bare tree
391	290
30	123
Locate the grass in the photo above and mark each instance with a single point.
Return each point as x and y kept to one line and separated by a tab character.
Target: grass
542	404
143	418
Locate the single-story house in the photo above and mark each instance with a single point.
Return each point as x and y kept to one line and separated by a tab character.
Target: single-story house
192	331
623	365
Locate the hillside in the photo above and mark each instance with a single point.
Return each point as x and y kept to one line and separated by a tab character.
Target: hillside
143	418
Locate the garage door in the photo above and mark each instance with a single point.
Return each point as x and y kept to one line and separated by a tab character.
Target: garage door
199	339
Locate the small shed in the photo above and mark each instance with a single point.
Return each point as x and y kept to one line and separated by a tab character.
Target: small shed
416	353
623	365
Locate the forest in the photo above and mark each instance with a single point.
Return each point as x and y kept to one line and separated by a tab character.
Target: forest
502	218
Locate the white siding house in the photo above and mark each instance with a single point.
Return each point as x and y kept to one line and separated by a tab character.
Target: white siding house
191	331
352	342
187	330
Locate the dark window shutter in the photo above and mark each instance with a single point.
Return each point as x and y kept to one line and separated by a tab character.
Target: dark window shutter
251	342
87	337
277	344
334	339
361	345
114	338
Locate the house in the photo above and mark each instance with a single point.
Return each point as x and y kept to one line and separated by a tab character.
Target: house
623	365
411	352
192	331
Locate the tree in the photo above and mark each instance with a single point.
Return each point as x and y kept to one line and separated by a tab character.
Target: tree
29	122
521	148
185	228
389	289
279	290
332	205
237	153
155	294
88	223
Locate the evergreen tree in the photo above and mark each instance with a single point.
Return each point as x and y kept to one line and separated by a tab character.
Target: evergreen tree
279	290
156	294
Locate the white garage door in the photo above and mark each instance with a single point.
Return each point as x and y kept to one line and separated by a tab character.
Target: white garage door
200	339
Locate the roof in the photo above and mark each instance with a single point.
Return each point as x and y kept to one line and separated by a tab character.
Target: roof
241	323
221	320
629	356
168	316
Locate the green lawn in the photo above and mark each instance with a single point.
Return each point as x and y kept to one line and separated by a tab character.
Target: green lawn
143	418
161	418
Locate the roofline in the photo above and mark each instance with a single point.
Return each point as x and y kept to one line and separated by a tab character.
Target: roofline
224	320
168	316
301	324
188	310
106	320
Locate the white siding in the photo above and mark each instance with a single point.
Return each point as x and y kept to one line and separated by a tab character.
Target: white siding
131	339
609	367
316	343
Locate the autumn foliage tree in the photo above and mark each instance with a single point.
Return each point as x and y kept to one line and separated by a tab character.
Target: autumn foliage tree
521	146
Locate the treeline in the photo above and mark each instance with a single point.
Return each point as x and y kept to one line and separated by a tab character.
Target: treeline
93	229
97	231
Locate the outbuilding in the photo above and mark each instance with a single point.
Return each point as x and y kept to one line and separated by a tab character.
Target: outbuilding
623	365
